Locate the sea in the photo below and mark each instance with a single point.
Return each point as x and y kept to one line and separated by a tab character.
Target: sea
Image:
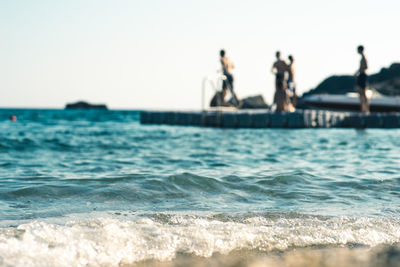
98	188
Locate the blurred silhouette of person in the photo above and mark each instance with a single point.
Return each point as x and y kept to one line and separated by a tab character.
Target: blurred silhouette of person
227	84
281	97
291	84
361	80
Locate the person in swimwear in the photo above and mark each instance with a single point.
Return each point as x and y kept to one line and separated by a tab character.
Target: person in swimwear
281	97
291	82
227	84
361	80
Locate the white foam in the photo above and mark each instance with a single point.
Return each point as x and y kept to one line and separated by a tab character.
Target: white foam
110	241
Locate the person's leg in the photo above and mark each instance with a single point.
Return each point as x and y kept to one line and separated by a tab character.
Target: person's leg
278	101
363	100
276	91
223	94
366	101
230	80
281	106
294	100
285	95
224	85
236	99
362	90
292	87
230	84
280	95
286	99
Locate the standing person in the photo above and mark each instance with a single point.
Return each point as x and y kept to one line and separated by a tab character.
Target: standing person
291	82
279	68
227	67
362	80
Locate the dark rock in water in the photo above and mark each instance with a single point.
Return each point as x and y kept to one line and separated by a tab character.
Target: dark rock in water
254	102
386	82
85	105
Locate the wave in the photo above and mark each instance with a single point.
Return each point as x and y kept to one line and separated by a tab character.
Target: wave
112	241
18	144
91	182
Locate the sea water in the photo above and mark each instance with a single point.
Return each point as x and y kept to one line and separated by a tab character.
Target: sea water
97	188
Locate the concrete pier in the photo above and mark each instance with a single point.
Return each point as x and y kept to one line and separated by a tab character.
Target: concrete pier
227	118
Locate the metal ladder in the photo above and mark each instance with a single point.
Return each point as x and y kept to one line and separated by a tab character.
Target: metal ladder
215	82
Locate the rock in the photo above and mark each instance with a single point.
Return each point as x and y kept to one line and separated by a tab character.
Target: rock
251	102
389	87
254	102
386	82
85	105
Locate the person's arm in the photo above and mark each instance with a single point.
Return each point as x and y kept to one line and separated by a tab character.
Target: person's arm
365	64
293	71
286	65
357	72
223	65
273	68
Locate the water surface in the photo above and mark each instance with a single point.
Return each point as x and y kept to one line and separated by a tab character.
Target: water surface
97	187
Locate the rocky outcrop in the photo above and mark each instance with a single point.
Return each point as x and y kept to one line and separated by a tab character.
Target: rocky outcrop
85	105
251	102
386	82
254	102
389	87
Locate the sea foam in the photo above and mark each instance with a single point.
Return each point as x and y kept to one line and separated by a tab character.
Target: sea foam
113	241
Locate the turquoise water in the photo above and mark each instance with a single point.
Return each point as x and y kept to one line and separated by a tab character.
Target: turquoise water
99	187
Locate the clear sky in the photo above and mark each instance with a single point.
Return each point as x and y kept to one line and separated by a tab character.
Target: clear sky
154	53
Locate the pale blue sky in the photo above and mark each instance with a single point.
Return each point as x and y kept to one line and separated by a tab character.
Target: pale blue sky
154	54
